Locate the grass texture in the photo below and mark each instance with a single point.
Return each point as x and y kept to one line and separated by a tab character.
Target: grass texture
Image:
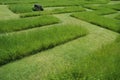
22	44
26	23
55	11
104	22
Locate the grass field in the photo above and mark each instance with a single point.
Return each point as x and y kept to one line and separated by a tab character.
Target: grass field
32	22
118	17
69	40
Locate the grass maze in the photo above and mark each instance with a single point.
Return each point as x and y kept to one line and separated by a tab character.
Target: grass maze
69	40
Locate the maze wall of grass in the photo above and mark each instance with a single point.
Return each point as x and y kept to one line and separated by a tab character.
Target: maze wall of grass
108	23
24	8
26	23
55	11
110	6
54	2
113	6
17	45
104	11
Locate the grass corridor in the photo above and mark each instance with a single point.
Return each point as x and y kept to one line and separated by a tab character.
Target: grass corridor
104	11
6	14
26	23
25	43
113	24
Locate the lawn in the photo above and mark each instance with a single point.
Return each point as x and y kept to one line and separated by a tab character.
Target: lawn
69	40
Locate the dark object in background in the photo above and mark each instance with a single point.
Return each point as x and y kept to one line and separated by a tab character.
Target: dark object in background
37	8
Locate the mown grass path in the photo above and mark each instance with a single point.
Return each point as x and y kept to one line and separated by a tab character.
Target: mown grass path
112	15
60	58
6	14
114	2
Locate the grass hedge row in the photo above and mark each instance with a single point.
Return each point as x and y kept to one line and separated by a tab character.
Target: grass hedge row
101	10
110	6
55	11
26	23
108	23
17	45
105	11
114	6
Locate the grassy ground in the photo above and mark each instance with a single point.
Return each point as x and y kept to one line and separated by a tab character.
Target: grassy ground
113	16
6	14
99	20
32	22
63	57
92	57
30	42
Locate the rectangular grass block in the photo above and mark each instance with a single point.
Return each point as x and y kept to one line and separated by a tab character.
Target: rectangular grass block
101	21
113	6
26	23
101	9
18	45
104	11
21	8
54	11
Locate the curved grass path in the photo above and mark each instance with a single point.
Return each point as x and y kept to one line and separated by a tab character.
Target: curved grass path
6	14
61	59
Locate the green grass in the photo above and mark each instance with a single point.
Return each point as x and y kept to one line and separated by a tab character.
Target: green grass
92	57
104	64
6	14
104	11
118	17
21	8
93	7
25	8
100	9
54	2
26	23
26	43
63	62
108	23
114	6
54	11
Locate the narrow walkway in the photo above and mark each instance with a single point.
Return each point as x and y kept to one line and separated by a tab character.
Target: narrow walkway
114	2
6	14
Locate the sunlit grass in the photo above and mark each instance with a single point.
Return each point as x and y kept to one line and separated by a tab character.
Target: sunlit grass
26	23
93	18
26	43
